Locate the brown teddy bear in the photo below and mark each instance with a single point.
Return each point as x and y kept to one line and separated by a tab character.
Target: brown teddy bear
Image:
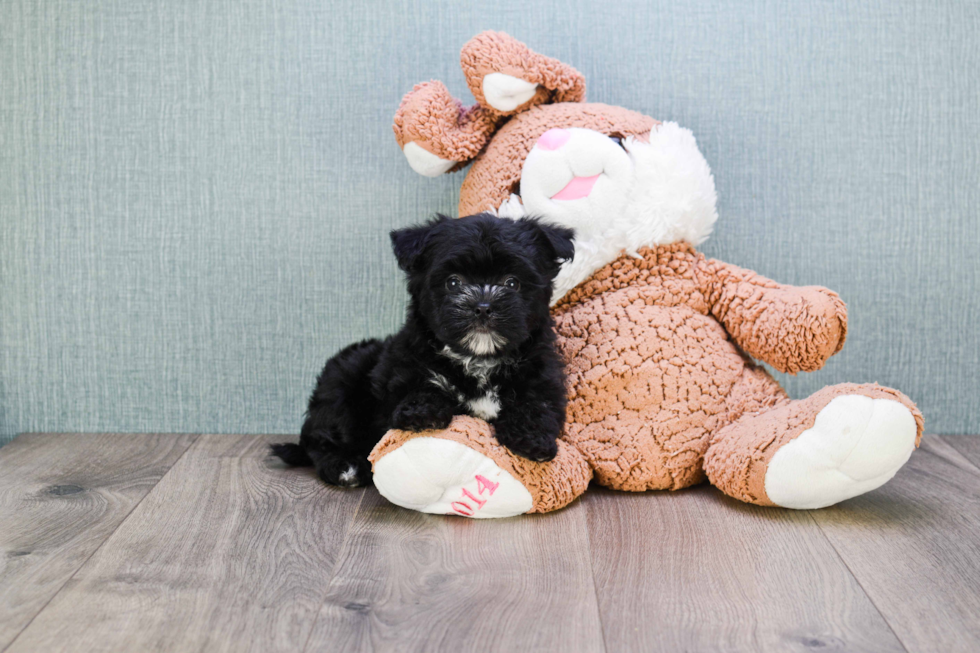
659	341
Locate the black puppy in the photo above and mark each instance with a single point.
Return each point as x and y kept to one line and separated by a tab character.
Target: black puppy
478	340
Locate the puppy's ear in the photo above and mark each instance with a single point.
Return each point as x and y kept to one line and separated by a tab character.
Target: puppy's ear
561	240
555	243
409	243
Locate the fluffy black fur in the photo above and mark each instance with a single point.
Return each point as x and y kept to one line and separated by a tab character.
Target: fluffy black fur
478	340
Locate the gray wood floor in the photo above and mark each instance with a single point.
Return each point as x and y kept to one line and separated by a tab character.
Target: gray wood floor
194	543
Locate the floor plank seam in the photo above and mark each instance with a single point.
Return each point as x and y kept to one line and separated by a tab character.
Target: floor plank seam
101	544
333	572
595	588
859	584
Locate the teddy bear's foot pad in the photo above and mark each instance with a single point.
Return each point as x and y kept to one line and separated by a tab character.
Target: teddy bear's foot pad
506	92
444	477
856	444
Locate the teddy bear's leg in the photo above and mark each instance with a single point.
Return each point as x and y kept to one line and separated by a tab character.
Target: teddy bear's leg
464	471
636	452
840	442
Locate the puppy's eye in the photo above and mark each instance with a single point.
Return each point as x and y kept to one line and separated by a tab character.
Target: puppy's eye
512	283
454	283
618	141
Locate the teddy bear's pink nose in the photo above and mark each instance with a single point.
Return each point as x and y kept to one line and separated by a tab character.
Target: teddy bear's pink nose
553	139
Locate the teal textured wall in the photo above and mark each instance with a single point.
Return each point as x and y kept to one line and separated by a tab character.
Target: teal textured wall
195	196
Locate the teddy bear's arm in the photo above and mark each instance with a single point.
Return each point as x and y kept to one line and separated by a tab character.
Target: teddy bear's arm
793	328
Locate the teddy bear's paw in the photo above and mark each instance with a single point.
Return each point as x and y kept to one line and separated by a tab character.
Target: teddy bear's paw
444	477
506	92
856	444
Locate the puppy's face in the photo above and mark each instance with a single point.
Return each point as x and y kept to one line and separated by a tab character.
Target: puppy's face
482	284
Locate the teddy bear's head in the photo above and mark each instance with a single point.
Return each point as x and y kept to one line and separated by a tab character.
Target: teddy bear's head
620	179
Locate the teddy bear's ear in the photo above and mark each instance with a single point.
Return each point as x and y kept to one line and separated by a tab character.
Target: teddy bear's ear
437	133
507	77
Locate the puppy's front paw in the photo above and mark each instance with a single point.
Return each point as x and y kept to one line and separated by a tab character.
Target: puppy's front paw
420	415
534	447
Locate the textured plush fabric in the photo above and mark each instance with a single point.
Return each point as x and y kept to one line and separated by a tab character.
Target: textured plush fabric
438	122
649	369
792	329
435	120
195	196
654	371
492	52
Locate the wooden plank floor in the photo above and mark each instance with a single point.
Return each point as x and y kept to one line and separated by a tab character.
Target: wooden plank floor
61	497
190	543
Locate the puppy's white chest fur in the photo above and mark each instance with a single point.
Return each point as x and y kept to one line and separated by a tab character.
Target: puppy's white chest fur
485	406
483	343
474	367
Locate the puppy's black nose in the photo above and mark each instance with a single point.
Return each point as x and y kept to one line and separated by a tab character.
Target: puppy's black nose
482	309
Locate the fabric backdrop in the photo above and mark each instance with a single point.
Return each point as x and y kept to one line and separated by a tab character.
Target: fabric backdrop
195	196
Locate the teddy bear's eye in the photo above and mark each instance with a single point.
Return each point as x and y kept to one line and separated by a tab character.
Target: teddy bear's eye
618	141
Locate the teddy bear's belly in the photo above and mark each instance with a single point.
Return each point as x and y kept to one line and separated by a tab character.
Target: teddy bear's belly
647	388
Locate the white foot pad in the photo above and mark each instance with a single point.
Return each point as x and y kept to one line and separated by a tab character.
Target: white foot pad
425	162
856	445
447	478
506	92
